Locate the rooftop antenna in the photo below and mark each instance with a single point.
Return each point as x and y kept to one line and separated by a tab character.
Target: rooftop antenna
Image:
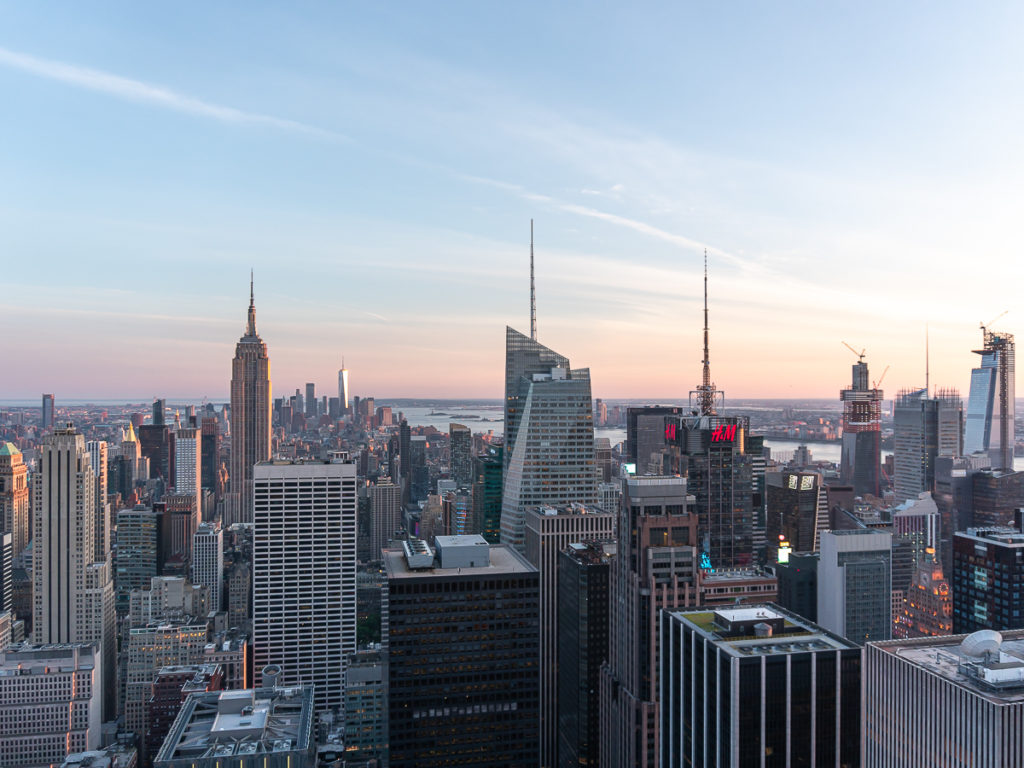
927	368
533	291
706	394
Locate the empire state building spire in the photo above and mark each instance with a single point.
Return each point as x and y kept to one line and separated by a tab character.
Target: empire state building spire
250	329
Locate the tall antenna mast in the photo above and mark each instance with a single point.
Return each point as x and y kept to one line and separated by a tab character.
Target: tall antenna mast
706	394
927	367
533	291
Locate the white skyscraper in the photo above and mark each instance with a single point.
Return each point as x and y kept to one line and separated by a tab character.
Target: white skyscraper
73	593
208	561
98	458
304	573
549	443
343	387
188	473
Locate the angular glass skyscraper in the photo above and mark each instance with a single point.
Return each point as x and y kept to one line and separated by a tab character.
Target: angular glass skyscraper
990	409
549	427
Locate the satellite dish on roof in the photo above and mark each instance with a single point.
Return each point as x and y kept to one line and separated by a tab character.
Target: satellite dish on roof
982	642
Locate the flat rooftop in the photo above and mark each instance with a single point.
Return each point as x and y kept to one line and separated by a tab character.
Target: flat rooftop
943	656
800	635
504	560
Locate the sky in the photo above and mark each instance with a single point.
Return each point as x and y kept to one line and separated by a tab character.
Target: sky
854	172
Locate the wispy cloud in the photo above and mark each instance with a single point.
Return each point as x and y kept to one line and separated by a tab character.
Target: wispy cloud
147	93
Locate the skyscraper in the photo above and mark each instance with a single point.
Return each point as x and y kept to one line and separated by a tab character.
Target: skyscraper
797	511
48	412
549	530
15	517
656	567
462	655
488	485
343	386
584	570
854	584
73	593
550	453
386	514
104	525
419	472
250	410
310	400
861	460
208	561
990	409
924	429
461	438
188	465
210	456
988	571
757	686
304	573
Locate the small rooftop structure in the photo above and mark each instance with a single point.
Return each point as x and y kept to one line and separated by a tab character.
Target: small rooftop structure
988	663
460	559
471	551
253	727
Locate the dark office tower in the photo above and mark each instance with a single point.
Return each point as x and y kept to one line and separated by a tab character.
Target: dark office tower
462	455
6	572
210	439
988	574
861	461
711	451
549	530
156	442
310	400
419	473
584	570
139	552
552	459
488	471
159	411
924	429
954	497
656	567
990	409
798	584
645	435
404	438
48	411
757	686
250	410
995	495
797	512
462	640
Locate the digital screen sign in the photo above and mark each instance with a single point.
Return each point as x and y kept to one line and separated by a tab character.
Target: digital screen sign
670	432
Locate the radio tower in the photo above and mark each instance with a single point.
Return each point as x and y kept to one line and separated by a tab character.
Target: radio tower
533	291
706	395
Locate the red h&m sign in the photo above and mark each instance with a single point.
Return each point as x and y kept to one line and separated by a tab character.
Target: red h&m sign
724	434
670	432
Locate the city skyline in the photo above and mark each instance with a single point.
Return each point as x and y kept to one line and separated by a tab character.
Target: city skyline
378	168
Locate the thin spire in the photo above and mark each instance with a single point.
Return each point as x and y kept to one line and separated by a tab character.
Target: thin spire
927	367
706	392
250	329
533	291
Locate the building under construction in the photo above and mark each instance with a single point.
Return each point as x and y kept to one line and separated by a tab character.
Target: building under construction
990	409
861	460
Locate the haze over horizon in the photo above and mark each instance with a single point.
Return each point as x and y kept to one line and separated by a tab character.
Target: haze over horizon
853	175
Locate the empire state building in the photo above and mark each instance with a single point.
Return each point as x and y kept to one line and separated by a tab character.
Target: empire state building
250	411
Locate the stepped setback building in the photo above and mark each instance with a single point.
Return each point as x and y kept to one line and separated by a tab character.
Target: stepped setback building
250	411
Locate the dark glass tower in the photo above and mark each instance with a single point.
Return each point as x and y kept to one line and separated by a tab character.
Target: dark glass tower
463	648
488	469
860	464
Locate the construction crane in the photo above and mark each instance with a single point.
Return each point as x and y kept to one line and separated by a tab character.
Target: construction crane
860	355
990	323
877	384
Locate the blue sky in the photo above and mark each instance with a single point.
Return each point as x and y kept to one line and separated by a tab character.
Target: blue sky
854	171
